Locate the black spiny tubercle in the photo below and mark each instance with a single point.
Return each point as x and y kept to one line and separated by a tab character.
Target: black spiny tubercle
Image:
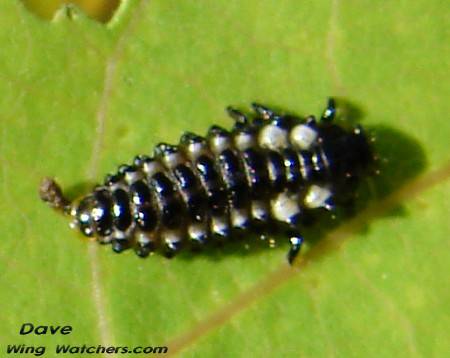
270	170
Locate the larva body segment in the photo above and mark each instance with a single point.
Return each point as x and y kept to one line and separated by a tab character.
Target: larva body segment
268	170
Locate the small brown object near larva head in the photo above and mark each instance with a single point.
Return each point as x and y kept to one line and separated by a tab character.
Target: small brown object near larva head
51	193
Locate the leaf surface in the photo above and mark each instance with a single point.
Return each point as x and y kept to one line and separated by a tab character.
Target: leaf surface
78	98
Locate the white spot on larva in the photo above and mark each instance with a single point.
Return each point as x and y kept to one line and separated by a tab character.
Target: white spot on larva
97	213
317	197
197	231
219	143
116	210
219	225
84	218
152	167
284	207
195	150
172	159
131	177
119	235
303	136
143	238
105	239
273	137
114	186
171	236
239	218
259	210
244	141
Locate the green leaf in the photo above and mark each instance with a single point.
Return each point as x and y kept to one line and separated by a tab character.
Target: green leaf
79	97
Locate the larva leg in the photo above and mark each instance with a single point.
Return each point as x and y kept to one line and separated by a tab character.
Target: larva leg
171	249
264	111
296	241
239	117
330	112
145	245
119	246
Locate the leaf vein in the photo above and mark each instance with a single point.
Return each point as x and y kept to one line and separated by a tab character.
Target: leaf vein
91	172
333	241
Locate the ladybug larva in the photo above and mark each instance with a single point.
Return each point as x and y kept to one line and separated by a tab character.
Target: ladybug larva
270	170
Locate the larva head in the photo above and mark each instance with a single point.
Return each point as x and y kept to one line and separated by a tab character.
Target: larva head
347	152
83	216
93	214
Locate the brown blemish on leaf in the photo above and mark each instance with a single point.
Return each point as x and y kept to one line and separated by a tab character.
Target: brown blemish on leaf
100	10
